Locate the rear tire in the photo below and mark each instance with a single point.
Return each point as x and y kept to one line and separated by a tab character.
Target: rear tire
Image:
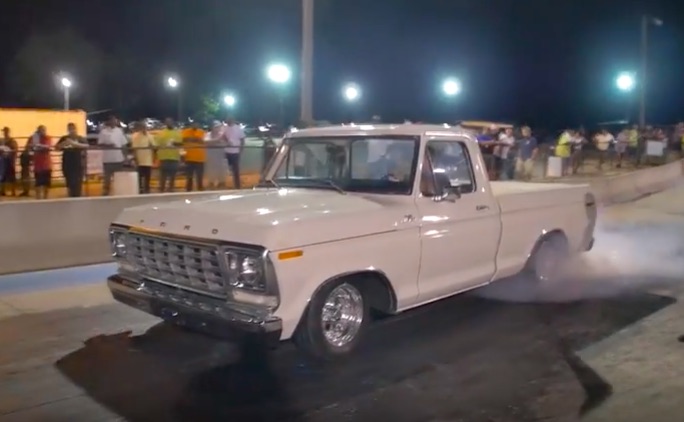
334	322
547	261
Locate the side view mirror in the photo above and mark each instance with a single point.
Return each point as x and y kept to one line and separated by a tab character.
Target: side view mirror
445	192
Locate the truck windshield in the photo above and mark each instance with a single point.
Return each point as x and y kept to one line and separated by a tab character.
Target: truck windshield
382	165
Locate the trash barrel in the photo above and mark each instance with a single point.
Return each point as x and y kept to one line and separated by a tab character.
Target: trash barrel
125	183
554	167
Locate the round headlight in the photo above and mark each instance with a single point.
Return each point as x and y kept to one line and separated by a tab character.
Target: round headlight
250	272
244	270
118	244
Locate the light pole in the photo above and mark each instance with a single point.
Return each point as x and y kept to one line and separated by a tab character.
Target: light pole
306	112
66	87
280	75
174	84
646	22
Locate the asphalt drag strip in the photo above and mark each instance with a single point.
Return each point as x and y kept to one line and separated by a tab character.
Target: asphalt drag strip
466	358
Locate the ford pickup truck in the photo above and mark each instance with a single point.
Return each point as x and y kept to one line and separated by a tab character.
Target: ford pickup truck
347	219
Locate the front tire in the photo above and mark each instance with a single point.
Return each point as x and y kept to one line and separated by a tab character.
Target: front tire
334	322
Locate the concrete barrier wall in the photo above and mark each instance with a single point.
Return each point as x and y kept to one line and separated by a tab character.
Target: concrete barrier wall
631	186
70	232
63	232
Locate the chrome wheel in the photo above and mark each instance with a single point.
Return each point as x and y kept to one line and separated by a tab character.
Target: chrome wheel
342	315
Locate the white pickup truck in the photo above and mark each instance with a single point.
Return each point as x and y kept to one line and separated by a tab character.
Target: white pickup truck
347	219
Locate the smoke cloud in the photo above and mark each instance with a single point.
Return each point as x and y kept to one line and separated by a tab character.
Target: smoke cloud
627	257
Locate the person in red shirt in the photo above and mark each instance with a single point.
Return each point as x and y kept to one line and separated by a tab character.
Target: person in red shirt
41	144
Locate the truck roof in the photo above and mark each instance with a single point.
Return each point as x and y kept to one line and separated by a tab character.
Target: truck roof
405	129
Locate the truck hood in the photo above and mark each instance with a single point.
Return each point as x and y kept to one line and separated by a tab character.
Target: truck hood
275	219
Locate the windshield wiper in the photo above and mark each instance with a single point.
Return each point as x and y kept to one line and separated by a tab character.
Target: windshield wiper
328	183
266	182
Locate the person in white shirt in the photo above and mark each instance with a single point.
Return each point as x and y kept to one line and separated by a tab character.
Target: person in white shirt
143	151
505	156
216	168
234	139
113	140
603	140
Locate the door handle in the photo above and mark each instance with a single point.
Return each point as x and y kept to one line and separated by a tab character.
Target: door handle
482	207
408	218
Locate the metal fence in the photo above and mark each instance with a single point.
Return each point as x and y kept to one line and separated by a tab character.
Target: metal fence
253	158
255	154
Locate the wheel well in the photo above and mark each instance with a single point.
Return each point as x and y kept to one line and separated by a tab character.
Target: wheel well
548	235
374	285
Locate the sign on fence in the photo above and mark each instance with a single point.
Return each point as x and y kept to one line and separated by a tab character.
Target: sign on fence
655	148
94	162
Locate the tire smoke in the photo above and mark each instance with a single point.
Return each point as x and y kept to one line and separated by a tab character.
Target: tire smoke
626	258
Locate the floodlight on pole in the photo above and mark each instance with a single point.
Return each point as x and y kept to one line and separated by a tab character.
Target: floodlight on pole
280	74
66	83
173	83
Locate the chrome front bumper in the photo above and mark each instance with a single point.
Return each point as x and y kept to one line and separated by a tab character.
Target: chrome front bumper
194	311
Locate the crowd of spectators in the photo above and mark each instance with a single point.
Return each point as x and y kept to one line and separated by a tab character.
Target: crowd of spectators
203	155
510	153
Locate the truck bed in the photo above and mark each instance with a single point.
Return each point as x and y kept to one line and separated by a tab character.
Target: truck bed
515	196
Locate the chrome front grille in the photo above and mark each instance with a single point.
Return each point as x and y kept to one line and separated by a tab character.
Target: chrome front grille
176	262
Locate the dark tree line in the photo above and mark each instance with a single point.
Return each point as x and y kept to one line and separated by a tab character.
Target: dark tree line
101	79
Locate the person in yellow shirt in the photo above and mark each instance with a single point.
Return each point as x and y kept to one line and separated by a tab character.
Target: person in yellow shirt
564	150
195	157
169	141
143	145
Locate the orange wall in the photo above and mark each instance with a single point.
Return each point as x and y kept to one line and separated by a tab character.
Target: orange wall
23	122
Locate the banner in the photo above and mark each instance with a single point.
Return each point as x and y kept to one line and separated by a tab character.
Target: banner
94	162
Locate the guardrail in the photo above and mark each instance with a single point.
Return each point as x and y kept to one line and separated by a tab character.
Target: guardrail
62	233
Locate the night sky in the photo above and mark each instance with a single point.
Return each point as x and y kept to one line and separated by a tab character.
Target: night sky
541	62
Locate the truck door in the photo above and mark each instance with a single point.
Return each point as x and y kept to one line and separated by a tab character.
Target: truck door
459	235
